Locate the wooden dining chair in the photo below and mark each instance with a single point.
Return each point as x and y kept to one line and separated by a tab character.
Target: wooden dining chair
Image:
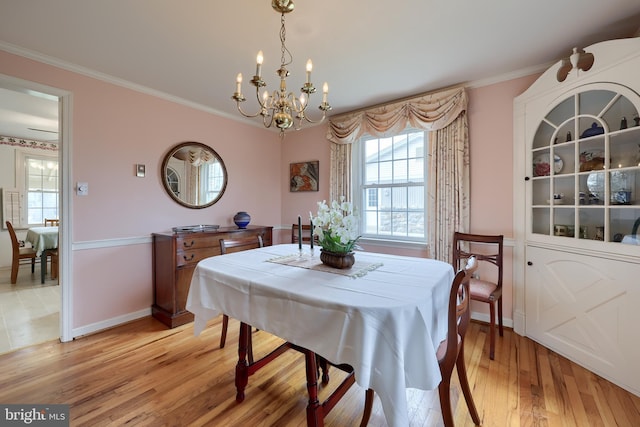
306	233
450	352
19	253
240	244
230	246
487	249
51	222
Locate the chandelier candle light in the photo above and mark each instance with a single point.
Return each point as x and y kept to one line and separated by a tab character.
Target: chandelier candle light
279	107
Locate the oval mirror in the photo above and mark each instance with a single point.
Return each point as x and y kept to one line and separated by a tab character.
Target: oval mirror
194	175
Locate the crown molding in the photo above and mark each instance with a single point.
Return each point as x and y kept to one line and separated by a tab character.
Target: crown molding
510	76
36	56
49	60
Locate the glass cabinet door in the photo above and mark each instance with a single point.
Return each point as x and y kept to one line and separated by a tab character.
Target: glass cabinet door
586	167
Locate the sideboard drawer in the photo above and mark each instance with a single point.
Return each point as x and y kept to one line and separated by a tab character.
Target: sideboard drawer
194	256
187	243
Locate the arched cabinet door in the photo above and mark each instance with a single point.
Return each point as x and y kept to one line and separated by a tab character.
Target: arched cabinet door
585	166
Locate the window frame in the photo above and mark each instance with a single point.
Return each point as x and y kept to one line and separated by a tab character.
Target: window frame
21	170
359	188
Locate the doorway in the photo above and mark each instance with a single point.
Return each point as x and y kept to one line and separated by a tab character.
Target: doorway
29	106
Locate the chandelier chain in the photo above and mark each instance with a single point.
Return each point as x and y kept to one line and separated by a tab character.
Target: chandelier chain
283	49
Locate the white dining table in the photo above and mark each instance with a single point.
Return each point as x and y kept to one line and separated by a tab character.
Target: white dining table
42	239
385	317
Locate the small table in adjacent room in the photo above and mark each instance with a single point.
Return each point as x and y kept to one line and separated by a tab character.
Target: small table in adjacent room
385	317
43	240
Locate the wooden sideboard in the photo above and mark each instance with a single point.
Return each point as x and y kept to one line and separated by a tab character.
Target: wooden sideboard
175	256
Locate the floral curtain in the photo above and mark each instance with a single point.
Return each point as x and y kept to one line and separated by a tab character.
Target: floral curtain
448	187
442	113
340	172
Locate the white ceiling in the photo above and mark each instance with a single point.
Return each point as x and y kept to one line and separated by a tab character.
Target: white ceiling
369	51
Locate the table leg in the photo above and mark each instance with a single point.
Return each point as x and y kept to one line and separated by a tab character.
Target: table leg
43	265
315	412
242	370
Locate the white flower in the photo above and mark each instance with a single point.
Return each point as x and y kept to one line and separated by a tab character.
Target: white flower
336	227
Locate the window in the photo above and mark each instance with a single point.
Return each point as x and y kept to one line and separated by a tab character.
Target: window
38	181
173	179
390	186
213	177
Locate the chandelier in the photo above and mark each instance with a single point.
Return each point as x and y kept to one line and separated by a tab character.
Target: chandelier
282	108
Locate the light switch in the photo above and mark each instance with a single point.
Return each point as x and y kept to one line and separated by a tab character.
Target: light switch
82	188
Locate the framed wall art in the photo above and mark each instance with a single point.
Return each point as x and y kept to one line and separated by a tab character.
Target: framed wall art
304	176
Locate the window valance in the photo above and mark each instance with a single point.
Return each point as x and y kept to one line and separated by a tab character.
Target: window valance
431	111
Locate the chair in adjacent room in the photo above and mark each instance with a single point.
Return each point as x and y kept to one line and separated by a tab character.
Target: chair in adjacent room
53	254
450	352
19	253
489	250
54	263
230	246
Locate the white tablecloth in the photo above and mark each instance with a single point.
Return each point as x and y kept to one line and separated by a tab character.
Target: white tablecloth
386	324
42	238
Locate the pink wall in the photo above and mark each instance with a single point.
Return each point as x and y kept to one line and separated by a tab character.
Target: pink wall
491	155
121	127
305	145
115	128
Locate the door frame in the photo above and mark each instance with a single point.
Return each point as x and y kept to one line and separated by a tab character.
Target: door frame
65	277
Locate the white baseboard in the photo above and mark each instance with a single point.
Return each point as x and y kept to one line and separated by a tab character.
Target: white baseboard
519	322
484	317
110	323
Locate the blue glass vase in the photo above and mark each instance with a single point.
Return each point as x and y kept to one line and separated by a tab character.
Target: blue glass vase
242	219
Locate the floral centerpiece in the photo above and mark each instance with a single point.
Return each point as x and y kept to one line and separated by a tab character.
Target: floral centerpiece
336	229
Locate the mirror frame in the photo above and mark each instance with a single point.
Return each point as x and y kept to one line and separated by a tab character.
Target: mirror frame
165	183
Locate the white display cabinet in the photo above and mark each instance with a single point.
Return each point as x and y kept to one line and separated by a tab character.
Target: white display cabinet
577	210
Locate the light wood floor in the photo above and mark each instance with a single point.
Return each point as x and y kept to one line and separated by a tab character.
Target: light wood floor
144	374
